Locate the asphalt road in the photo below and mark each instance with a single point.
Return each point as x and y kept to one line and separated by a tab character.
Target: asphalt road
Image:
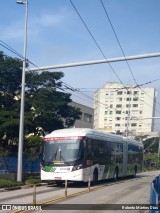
114	196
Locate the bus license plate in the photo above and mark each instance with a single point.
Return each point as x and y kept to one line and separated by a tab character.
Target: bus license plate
57	178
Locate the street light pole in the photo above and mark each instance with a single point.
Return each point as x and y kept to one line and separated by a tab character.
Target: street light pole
21	125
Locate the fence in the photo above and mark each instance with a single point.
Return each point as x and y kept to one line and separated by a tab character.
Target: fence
9	165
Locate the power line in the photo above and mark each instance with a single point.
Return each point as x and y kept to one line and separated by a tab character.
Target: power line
67	86
107	15
90	88
71	88
6	46
76	90
109	19
99	46
96	43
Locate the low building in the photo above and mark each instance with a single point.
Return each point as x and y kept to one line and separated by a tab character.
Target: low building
86	120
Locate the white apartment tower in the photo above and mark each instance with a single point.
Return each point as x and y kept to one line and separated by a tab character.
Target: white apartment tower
124	108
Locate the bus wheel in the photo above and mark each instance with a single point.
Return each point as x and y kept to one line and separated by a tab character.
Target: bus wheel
115	177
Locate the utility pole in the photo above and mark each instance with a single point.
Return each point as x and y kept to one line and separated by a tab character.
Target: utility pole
158	147
21	125
129	106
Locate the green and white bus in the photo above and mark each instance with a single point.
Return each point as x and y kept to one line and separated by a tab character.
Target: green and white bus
78	154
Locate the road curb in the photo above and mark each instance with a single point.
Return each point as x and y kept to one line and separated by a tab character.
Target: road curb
22	187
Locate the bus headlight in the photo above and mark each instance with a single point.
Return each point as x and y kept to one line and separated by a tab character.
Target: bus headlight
42	167
77	167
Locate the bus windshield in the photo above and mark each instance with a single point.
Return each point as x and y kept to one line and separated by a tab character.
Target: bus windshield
62	150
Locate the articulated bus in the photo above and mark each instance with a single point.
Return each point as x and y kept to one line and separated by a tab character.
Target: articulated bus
80	154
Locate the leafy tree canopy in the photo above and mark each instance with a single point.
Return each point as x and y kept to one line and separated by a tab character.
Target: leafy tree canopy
151	145
46	106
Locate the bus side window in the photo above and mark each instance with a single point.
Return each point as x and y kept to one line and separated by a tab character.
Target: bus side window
81	151
107	151
89	149
112	148
119	153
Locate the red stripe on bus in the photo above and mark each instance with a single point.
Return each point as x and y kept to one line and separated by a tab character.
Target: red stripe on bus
63	138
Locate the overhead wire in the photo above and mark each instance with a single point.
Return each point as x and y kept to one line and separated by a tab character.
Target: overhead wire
19	55
6	46
96	43
81	88
107	15
74	90
66	85
98	48
118	40
109	19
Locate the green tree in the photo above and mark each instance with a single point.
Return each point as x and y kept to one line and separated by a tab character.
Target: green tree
32	148
46	106
151	145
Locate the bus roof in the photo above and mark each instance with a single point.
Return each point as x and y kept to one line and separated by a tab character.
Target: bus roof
71	132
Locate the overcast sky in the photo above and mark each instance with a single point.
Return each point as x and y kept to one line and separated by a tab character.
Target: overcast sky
56	35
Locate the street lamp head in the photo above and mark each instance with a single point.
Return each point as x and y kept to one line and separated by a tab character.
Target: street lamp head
20	2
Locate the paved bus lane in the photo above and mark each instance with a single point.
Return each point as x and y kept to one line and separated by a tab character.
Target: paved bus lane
122	195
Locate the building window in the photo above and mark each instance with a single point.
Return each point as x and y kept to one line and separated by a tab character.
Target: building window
135	105
111	105
110	112
117	124
135	99
135	92
128	99
106	112
129	92
119	93
133	124
140	112
128	105
118	112
118	118
87	118
118	105
119	99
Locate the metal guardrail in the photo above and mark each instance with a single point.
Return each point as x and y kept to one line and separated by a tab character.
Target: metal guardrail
155	194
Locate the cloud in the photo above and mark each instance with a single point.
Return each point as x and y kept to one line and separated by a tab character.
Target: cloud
36	24
50	20
47	19
12	31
